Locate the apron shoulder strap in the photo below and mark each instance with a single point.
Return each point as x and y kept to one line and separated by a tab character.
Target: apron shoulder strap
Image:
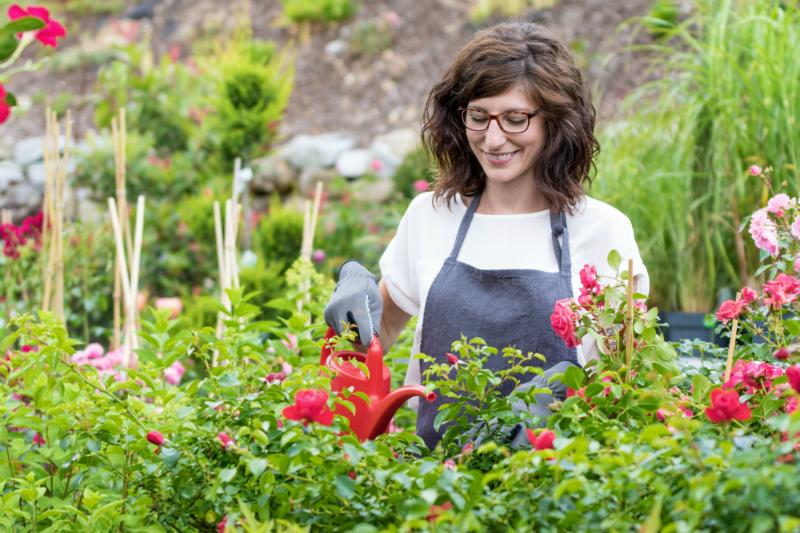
462	229
558	227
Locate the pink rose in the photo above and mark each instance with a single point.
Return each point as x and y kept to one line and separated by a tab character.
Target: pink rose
729	310
155	437
563	322
310	406
781	290
725	406
5	108
748	295
542	441
794	229
174	373
225	439
793	375
452	359
781	354
588	276
755	170
763	232
778	204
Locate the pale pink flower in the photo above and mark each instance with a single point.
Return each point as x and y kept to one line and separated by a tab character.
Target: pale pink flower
797	263
422	186
172	304
794	229
778	204
290	342
376	165
763	231
174	373
755	170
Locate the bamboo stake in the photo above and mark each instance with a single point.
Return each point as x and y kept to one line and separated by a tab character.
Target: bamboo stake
59	230
47	207
137	254
126	287
5	216
731	346
629	322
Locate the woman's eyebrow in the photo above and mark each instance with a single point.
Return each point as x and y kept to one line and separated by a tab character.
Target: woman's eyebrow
479	108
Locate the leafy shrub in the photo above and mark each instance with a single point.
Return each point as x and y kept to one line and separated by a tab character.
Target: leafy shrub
415	169
279	235
371	37
319	10
253	88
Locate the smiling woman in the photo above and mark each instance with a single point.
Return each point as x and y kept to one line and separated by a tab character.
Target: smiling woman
504	235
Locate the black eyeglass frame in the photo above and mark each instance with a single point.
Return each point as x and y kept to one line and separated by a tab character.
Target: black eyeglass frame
496	118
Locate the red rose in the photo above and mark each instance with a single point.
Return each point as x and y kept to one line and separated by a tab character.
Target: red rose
222	524
542	441
452	359
52	28
155	437
5	109
793	375
436	510
725	406
729	310
225	439
781	354
563	322
310	406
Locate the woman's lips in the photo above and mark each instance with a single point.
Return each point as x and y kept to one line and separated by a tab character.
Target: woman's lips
499	159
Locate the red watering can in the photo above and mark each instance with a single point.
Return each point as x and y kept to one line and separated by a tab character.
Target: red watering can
370	419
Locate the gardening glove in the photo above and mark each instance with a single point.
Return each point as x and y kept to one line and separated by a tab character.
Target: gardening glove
540	408
356	300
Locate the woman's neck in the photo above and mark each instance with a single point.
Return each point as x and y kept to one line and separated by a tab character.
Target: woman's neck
518	196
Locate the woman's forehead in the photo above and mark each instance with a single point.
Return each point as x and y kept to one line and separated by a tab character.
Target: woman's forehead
514	98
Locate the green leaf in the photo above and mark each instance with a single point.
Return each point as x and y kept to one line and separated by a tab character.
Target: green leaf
568	486
574	377
653	522
8	43
345	487
11	99
256	466
700	388
227	474
614	259
22	25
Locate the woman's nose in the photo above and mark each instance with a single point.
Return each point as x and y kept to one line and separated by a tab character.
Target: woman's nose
494	136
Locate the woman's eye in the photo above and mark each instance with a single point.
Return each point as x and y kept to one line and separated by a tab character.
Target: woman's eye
477	118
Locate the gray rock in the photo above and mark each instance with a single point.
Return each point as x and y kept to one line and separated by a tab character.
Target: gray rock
374	192
354	163
317	151
10	173
270	174
20	196
31	149
400	141
36	174
336	47
309	177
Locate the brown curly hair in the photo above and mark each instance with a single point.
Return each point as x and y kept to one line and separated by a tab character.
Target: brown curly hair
496	60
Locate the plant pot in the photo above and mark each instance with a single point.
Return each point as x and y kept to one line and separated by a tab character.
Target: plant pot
679	325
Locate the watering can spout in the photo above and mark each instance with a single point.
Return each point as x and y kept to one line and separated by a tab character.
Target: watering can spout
384	410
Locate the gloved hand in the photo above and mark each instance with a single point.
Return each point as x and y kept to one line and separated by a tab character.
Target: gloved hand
356	300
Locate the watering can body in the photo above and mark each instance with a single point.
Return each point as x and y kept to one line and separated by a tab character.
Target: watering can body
371	418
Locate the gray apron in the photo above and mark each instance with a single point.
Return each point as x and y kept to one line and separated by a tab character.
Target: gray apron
509	307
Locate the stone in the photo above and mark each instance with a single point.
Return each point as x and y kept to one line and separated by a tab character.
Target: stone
400	141
21	196
10	173
354	163
336	47
31	149
318	151
36	174
374	192
271	173
308	179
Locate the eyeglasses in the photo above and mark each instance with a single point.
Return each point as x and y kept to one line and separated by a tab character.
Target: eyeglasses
510	121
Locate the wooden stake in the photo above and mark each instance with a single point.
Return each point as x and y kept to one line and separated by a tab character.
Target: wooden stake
5	216
59	226
629	322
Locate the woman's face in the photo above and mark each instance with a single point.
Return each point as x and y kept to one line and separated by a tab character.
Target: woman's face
506	157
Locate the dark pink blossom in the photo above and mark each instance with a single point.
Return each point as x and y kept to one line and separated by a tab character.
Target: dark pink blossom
52	28
725	406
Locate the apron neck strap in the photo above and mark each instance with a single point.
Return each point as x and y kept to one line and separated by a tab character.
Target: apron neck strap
558	228
462	229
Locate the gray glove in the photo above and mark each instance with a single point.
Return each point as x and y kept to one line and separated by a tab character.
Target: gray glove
356	300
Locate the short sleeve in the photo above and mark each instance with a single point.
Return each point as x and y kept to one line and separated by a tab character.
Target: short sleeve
398	266
631	250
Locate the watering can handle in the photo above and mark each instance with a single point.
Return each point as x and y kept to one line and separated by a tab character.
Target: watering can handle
374	352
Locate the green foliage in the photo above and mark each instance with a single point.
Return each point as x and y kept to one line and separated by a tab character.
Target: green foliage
319	10
252	92
167	177
279	235
371	37
483	10
677	164
416	166
662	17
